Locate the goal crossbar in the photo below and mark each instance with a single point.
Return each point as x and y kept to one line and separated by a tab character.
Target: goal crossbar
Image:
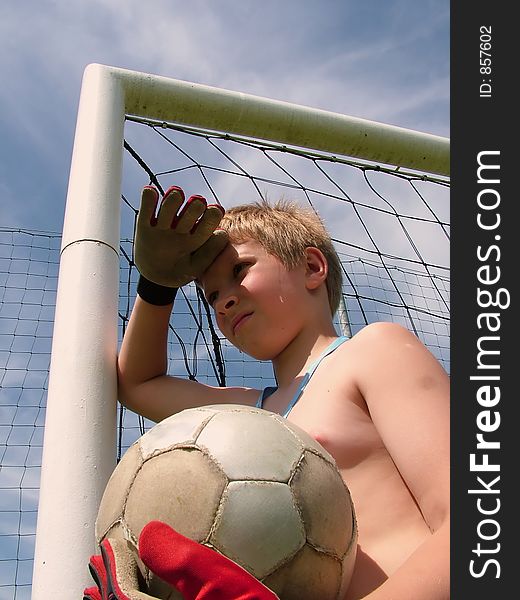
80	426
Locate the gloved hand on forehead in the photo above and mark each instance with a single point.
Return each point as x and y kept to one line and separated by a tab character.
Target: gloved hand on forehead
198	572
175	246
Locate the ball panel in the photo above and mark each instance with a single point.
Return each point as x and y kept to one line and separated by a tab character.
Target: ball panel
181	487
325	504
308	442
258	525
217	408
251	445
181	428
116	532
157	588
310	575
349	561
114	496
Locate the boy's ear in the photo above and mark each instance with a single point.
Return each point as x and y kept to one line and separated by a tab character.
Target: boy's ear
316	268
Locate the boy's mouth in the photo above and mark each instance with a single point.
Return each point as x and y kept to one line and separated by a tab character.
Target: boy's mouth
238	320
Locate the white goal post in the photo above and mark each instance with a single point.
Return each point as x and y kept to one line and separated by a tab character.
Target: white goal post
80	426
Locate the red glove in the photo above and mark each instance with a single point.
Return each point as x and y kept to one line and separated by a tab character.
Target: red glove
115	572
198	572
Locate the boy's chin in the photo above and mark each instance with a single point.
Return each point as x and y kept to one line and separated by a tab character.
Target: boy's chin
250	350
256	350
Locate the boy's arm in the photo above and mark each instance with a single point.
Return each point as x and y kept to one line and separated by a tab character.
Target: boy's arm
407	394
142	361
171	249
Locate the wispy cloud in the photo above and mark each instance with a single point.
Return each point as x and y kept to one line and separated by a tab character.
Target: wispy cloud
380	60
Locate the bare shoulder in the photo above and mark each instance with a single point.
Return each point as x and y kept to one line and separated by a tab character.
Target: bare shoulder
374	343
388	362
390	343
383	332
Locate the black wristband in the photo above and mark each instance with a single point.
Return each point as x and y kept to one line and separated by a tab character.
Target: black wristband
153	293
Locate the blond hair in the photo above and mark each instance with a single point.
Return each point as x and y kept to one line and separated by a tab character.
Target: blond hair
285	230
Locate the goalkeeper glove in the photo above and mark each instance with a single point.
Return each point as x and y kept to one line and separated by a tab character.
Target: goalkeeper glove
198	572
176	246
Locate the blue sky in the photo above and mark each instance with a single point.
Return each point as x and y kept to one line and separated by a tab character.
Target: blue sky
376	59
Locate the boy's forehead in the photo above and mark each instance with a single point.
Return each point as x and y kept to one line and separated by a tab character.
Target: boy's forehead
231	252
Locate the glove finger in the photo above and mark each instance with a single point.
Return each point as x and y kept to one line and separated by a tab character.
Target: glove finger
122	571
202	258
198	572
149	199
167	553
171	202
189	215
209	221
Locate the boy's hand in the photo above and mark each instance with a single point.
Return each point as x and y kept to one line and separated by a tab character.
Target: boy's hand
198	572
174	248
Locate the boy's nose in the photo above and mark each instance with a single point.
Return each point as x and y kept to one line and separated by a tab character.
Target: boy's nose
230	303
226	302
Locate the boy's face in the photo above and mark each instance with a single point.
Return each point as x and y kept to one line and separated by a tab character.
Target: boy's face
257	300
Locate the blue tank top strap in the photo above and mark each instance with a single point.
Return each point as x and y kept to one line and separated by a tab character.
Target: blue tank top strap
337	342
266	392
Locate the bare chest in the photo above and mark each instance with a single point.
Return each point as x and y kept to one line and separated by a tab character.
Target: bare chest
332	411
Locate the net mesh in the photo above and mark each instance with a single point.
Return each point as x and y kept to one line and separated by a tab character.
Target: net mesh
28	272
390	228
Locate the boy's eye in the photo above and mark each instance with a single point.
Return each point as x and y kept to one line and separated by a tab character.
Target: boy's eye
211	298
238	267
236	271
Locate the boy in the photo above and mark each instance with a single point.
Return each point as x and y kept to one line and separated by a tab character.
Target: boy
377	402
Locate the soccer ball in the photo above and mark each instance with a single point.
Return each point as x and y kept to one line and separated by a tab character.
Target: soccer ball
247	483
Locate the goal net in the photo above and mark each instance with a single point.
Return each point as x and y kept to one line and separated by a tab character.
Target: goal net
386	205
